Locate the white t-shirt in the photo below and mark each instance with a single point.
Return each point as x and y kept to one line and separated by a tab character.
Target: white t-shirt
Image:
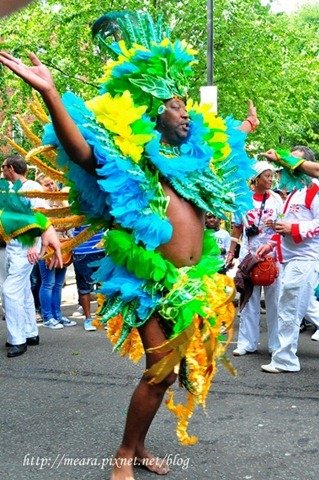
272	208
302	211
223	240
29	186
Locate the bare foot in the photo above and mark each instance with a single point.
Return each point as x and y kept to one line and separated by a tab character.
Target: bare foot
145	459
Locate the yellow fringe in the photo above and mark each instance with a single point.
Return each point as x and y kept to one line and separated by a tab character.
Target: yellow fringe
204	348
46	195
70	244
132	346
17	147
34	139
68	222
46	169
57	212
183	413
37	109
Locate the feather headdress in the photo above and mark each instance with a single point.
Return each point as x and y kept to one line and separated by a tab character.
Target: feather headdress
144	59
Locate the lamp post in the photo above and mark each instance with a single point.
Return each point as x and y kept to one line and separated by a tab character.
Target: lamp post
208	94
210	42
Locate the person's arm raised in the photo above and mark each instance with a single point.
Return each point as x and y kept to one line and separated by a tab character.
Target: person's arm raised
39	77
292	162
252	121
310	168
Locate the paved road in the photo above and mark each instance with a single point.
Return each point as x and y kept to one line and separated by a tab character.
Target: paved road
63	404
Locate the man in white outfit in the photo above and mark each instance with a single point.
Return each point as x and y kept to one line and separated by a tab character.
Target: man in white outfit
17	297
298	251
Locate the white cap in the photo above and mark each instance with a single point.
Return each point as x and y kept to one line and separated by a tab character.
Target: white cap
260	167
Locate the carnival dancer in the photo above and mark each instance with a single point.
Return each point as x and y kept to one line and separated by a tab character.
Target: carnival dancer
146	162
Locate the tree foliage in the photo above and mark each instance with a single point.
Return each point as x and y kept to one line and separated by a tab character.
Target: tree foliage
271	58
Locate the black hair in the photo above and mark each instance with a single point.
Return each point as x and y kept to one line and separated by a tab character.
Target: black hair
18	164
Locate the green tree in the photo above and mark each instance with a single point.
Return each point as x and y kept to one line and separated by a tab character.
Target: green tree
257	55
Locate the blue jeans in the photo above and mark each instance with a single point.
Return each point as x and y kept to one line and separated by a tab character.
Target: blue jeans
51	291
35	278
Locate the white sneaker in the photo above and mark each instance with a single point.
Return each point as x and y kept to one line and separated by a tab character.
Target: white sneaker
238	352
78	312
88	325
315	336
66	322
270	369
53	323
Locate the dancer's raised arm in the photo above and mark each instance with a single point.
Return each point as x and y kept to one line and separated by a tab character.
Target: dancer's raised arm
39	77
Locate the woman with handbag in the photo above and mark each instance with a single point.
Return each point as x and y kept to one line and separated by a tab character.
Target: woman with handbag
267	206
52	281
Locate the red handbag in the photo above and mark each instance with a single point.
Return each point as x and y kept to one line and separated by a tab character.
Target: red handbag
265	272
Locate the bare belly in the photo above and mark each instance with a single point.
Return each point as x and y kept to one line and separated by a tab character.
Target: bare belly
185	246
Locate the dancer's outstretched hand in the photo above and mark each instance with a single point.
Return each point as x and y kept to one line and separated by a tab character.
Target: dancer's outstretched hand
38	75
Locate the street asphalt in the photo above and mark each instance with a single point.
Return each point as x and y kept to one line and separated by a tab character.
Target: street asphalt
63	406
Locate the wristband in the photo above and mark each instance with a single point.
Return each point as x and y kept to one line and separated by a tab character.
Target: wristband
253	126
287	160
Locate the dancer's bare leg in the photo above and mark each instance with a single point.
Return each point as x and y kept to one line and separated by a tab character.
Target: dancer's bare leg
144	404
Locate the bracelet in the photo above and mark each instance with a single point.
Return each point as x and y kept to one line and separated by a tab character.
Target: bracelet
253	126
234	239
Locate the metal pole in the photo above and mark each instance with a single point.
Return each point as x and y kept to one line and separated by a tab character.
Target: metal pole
208	93
210	42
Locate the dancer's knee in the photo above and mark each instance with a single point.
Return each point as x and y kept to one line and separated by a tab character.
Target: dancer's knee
165	383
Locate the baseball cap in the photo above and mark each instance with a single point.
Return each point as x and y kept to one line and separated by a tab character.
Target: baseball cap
261	167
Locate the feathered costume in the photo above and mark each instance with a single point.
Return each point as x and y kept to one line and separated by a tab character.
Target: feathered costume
210	169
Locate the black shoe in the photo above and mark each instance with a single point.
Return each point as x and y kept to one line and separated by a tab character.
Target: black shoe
33	340
16	350
30	341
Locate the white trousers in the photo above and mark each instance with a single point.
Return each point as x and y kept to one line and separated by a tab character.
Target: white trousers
299	279
249	324
17	295
312	310
2	267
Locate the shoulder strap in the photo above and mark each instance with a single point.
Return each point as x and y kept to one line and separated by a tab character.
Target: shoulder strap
310	194
262	206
